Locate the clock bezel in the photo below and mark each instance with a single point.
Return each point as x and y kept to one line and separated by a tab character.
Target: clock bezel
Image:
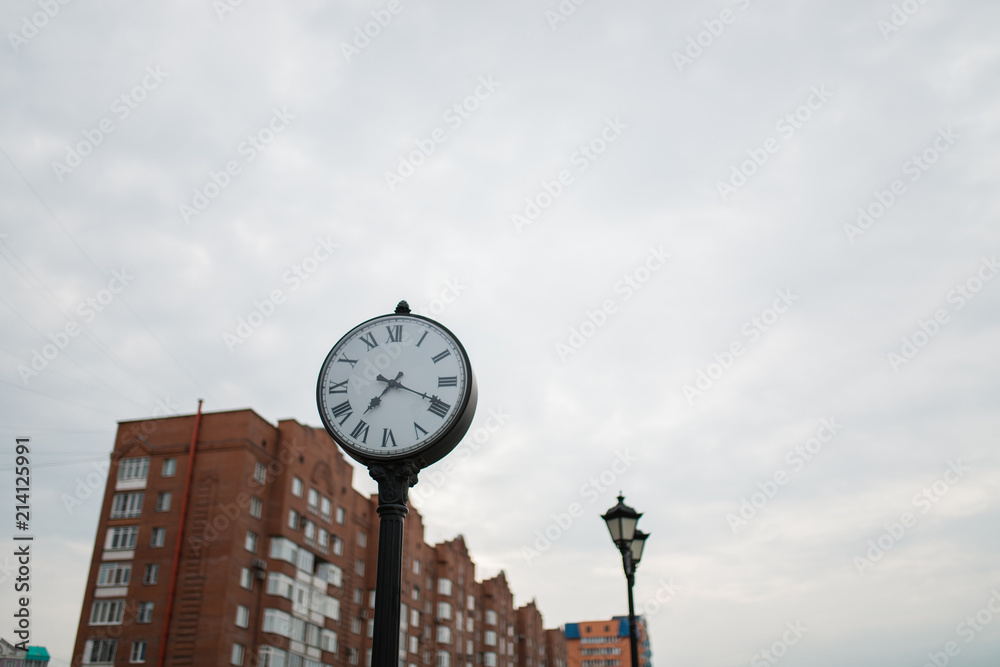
432	450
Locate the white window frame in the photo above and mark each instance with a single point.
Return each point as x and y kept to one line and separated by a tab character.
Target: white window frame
163	499
144	614
157	536
297	487
138	653
114	574
250	542
242	616
133	469
127	505
236	655
150	574
122	538
256	510
169	467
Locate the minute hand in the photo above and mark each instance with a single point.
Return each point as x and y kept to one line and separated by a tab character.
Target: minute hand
395	384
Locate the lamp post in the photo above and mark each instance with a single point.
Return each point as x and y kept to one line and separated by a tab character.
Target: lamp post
621	520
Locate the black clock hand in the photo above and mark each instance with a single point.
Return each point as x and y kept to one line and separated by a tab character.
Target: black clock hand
374	403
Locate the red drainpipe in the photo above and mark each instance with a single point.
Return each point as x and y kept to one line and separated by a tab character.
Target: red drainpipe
180	540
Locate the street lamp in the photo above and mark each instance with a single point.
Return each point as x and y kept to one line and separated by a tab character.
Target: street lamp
621	520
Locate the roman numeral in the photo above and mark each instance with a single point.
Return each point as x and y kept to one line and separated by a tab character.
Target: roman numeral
360	432
340	387
438	407
369	340
421	339
395	333
342	409
387	437
438	357
418	429
345	360
449	381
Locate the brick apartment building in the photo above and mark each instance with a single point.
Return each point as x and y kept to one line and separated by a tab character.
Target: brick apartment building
606	643
277	563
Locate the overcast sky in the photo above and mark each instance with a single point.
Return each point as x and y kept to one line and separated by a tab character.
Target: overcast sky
696	251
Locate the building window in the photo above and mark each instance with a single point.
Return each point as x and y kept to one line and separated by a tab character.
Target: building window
169	467
324	540
328	640
414	618
341	516
133	469
310	531
246	578
296	487
338	546
293	519
256	509
490	659
126	505
359	568
145	613
313	501
443	634
491	638
416	566
362	538
444	586
325	507
443	659
114	574
444	611
268	656
242	616
277	622
122	537
491	617
413	644
107	612
150	573
359	596
250	543
260	472
352	654
236	657
470	603
157	537
163	501
356	625
98	651
415	592
138	652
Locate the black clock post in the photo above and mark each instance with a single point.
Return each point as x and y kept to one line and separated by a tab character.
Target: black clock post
427	388
394	482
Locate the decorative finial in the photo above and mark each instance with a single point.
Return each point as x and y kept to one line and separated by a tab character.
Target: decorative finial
402	308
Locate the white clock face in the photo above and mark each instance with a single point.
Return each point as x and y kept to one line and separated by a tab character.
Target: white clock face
393	386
